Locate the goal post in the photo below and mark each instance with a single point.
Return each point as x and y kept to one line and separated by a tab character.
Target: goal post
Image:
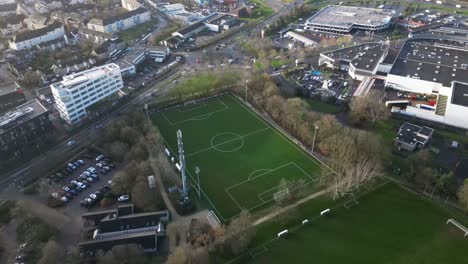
281	194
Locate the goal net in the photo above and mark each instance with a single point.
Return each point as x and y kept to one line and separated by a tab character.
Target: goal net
280	195
213	219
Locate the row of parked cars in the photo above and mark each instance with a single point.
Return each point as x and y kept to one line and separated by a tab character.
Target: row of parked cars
84	180
66	171
96	196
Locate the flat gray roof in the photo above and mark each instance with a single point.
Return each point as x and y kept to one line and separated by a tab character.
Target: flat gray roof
8	87
347	16
21	114
364	57
460	94
440	61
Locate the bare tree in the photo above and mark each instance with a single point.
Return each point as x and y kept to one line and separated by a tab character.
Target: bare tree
51	253
239	233
368	109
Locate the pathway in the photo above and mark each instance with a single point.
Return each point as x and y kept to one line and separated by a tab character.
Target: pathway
286	208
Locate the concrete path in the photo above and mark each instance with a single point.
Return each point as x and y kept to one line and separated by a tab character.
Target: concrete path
286	208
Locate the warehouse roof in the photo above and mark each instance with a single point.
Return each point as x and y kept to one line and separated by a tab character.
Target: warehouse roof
440	61
365	56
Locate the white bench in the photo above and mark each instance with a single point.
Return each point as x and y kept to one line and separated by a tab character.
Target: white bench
460	226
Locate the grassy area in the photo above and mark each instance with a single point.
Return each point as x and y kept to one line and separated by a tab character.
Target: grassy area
279	63
242	159
262	10
5	211
389	225
131	34
319	106
204	82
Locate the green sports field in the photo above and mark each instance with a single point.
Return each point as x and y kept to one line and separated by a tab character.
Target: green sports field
242	158
389	225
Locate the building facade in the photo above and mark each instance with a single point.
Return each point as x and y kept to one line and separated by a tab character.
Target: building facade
33	38
22	127
77	92
120	22
344	19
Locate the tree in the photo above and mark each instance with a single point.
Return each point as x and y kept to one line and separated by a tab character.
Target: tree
239	233
122	182
51	253
463	194
118	150
444	183
123	254
178	256
368	109
145	198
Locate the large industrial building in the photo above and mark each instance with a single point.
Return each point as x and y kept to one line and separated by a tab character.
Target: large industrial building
359	61
437	66
345	19
79	91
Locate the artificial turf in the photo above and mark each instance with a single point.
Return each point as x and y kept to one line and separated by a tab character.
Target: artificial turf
241	157
389	225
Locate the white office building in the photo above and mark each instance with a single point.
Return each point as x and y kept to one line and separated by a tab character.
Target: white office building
77	92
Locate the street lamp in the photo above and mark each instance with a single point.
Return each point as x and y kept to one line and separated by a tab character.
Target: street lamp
315	133
147	115
246	81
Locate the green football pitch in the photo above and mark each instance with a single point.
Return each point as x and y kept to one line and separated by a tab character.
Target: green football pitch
388	225
241	157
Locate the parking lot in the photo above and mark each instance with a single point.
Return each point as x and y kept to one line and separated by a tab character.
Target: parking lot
317	83
82	182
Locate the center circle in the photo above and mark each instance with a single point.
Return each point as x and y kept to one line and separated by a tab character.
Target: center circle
227	142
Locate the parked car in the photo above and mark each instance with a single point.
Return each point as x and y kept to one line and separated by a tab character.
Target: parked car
69	196
99	158
69	170
90	179
77	164
92	170
71	143
81	162
71	166
73	192
124	198
99	165
66	188
107	168
87	173
64	199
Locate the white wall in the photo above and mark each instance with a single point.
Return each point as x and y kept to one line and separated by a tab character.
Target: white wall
412	85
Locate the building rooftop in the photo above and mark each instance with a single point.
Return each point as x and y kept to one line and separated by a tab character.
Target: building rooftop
113	19
36	33
412	134
460	94
440	61
72	80
347	16
12	20
364	57
8	88
8	7
21	114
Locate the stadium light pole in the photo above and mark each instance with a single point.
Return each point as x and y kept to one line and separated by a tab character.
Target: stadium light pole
313	141
197	171
246	81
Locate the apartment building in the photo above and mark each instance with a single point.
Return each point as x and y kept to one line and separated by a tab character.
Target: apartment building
32	38
120	22
77	92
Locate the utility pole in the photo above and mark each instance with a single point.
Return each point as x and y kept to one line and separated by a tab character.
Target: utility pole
182	162
315	133
147	115
197	171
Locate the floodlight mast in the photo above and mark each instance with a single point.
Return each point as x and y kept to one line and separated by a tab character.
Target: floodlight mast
182	162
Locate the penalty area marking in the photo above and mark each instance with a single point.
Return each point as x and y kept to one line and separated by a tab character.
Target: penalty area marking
196	118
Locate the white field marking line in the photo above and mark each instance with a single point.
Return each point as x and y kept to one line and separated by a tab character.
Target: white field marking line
280	134
198	105
198	118
255	171
215	147
263	250
238	205
260	175
225	142
201	189
195	117
170	123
